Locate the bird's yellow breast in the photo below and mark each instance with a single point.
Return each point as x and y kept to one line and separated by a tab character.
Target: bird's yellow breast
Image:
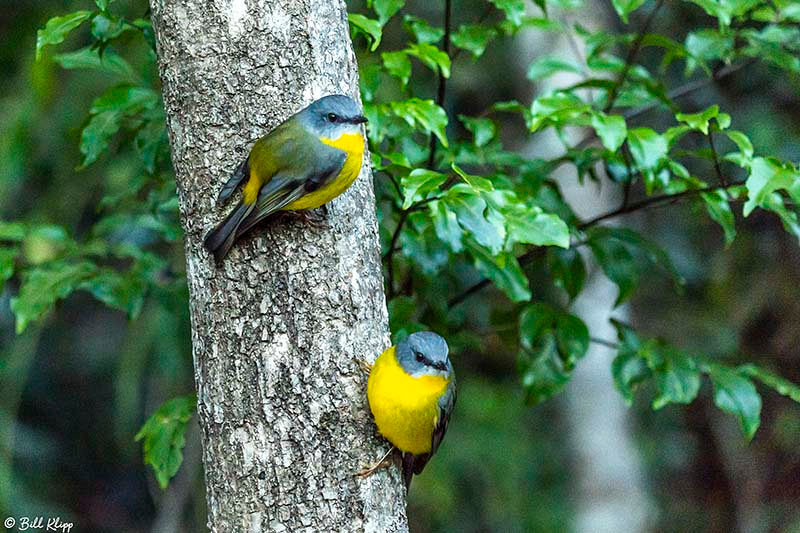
405	408
353	145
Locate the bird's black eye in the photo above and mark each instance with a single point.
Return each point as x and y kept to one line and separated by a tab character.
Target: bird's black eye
420	358
333	117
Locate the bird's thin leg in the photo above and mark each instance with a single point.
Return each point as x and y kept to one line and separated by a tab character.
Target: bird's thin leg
363	364
377	466
317	218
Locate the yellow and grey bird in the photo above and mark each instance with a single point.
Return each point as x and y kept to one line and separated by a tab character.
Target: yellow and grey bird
412	392
308	160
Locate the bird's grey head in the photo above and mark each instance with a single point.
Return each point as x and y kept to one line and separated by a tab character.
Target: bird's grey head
424	354
333	116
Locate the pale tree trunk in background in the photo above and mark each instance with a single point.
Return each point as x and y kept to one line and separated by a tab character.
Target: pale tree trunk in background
612	495
281	403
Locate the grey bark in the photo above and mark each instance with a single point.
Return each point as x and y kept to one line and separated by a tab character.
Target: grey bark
281	403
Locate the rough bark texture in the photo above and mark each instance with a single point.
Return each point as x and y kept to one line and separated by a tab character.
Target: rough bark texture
281	403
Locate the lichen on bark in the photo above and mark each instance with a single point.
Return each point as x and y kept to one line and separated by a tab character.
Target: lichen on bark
275	327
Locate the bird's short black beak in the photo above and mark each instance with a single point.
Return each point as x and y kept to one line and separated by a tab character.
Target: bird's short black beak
440	366
360	119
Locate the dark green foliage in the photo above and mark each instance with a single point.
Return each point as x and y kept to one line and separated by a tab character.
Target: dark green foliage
492	209
459	210
163	437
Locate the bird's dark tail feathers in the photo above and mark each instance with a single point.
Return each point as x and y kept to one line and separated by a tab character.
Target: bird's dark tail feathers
413	464
220	239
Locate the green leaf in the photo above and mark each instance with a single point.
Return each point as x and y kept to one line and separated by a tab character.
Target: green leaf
12	231
471	212
726	10
676	374
617	263
385	9
121	291
626	7
513	9
567	270
483	129
57	29
767	176
150	138
418	184
647	146
431	56
503	270
473	38
445	224
476	183
558	109
778	384
736	394
7	258
546	66
643	247
97	134
398	65
105	28
163	436
629	371
43	286
572	337
552	342
102	5
741	140
424	113
370	28
700	121
705	46
109	63
126	99
421	30
611	129
719	209
529	224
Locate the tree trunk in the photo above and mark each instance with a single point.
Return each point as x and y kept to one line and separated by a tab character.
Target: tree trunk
275	328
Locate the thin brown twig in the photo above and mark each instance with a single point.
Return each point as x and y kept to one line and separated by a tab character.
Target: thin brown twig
440	95
651	202
633	51
632	207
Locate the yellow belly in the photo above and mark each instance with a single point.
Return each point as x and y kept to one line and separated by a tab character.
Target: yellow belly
353	145
405	408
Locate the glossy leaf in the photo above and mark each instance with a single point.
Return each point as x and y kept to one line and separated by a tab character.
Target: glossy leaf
43	286
435	59
473	38
626	7
57	29
530	225
504	271
370	28
418	184
736	394
611	129
163	436
719	209
567	270
385	9
767	176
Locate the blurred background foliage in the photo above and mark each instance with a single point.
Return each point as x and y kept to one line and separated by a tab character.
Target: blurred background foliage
89	210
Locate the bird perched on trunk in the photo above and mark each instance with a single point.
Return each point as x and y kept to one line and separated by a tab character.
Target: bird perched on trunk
412	392
309	159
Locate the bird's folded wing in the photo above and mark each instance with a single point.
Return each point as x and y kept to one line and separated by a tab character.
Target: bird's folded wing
285	188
